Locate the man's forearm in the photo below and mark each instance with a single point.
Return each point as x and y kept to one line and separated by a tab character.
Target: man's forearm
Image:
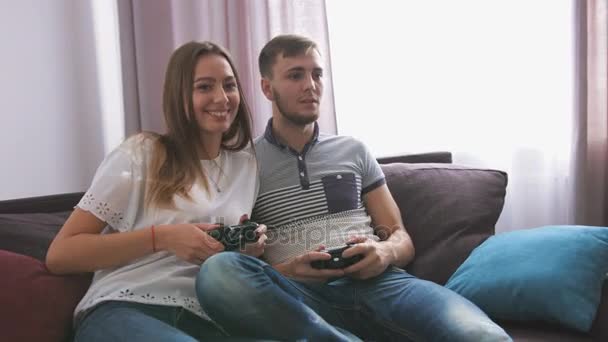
400	246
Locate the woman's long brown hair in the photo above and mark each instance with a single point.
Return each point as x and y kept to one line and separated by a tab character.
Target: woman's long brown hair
175	166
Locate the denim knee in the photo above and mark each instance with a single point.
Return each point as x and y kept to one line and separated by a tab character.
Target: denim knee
484	332
222	278
470	327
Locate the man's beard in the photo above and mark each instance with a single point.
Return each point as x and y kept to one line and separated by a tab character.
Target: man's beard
294	118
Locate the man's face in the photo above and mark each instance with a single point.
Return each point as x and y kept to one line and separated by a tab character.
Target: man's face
296	87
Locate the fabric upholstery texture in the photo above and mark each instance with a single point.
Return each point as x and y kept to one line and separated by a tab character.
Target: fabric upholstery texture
552	273
448	210
34	304
30	233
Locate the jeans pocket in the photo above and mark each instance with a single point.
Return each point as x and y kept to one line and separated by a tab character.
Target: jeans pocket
341	192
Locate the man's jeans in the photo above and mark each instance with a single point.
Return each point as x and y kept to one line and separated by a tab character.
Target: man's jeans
124	321
248	297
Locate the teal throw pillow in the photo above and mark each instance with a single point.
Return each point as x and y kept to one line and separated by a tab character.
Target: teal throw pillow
552	274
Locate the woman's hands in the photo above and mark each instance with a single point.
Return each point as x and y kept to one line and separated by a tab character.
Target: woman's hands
256	249
191	241
188	241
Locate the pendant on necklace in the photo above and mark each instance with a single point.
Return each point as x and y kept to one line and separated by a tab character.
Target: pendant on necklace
217	187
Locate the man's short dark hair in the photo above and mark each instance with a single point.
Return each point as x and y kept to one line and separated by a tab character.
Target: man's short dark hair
288	45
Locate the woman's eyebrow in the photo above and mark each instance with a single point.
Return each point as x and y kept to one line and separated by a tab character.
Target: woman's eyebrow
211	79
204	79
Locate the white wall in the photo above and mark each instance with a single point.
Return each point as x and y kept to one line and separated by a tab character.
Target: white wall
50	118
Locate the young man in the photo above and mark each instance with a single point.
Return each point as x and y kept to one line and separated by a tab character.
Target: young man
320	191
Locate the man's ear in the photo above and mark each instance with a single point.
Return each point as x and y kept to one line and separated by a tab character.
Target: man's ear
266	88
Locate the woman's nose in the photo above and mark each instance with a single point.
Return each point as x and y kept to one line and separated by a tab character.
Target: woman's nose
220	96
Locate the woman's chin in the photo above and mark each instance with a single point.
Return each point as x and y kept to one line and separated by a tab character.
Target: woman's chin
216	130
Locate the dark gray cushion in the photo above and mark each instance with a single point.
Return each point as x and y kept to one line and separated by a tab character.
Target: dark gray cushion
30	234
447	209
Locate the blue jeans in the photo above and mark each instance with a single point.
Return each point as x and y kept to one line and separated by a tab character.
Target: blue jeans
394	306
116	321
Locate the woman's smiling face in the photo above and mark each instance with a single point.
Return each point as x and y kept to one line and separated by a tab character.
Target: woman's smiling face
215	94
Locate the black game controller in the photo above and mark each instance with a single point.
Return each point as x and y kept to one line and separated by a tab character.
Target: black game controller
235	236
337	261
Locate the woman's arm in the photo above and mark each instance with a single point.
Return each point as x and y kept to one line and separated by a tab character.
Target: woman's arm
79	246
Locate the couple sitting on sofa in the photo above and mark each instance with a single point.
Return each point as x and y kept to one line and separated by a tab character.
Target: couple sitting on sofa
143	224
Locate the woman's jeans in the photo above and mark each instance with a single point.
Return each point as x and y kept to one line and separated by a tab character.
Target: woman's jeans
246	296
116	321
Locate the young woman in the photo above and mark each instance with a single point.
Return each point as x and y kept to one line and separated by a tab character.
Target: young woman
143	224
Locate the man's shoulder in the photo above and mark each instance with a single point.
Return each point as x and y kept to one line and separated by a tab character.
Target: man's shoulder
341	141
259	140
345	139
262	146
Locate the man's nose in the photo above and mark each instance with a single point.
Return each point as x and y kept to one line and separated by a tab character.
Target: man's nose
309	83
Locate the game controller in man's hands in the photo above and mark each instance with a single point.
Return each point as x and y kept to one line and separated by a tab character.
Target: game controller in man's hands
235	236
337	261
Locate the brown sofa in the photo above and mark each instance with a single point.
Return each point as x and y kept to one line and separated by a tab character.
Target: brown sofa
447	209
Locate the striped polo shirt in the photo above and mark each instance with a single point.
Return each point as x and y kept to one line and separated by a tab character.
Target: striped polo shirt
313	197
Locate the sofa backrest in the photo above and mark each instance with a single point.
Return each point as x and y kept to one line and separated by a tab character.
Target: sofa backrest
447	209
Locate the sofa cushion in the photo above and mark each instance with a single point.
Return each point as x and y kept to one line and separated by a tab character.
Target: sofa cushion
534	331
599	329
34	304
447	209
30	234
552	274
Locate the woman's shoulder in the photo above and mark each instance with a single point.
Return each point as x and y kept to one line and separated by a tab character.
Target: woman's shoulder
139	146
140	140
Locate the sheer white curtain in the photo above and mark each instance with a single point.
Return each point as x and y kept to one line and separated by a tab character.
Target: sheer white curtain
491	81
151	30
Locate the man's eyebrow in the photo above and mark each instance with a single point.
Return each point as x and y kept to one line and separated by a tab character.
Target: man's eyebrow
300	68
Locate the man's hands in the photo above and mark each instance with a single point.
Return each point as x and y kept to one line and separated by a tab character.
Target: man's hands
299	268
376	258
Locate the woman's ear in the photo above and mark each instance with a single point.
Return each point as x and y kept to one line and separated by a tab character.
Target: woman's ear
266	88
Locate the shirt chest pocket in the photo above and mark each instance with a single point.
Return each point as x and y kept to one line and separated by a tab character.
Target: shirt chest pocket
341	192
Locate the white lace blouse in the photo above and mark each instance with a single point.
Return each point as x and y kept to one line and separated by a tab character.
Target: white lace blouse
116	196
